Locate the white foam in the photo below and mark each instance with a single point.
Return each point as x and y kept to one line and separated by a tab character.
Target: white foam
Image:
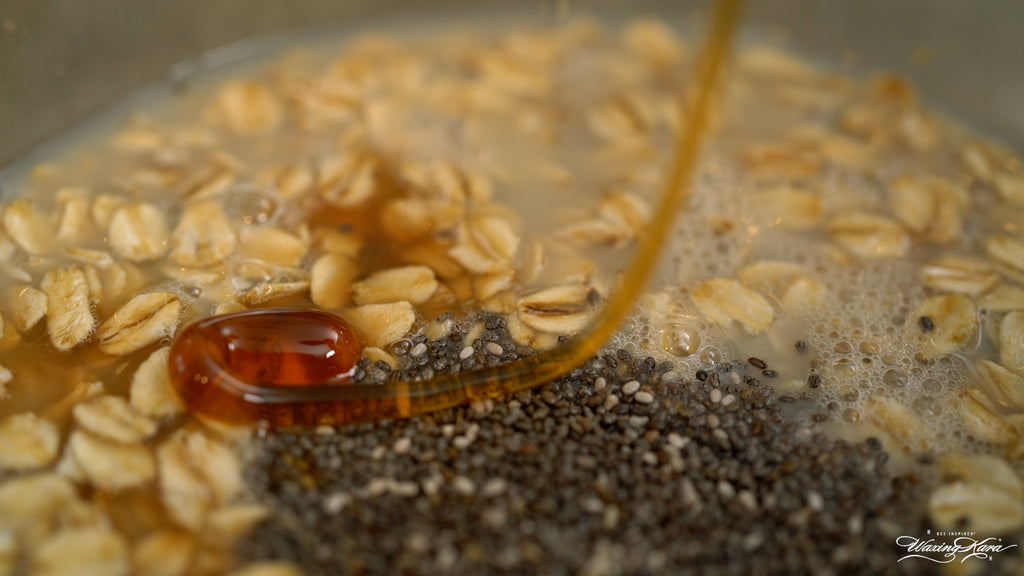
860	341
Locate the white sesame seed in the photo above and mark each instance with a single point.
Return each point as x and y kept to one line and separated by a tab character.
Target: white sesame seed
336	502
671	376
630	388
716	395
713	421
855	525
462	442
419	349
728	399
726	490
446	557
639	421
378	486
431	485
406	489
494	517
675	461
417	542
592	504
463	485
753	541
721	437
494	487
678	441
611	401
600	383
644	397
815	501
611	517
690	495
748	500
466	353
735	377
402	445
649	458
494	348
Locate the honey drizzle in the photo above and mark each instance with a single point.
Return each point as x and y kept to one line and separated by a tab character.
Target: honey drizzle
321	404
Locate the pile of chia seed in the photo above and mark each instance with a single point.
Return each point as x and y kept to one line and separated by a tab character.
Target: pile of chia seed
624	466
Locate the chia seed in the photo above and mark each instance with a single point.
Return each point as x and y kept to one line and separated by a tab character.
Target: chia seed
813	380
926	324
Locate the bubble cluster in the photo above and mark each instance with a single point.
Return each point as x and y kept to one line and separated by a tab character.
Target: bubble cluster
673	332
864	347
856	345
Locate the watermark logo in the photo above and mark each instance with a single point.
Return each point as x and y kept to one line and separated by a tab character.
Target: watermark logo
945	547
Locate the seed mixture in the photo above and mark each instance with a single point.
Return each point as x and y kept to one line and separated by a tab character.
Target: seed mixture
624	466
468	199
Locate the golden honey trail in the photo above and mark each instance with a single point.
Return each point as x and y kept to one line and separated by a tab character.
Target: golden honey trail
219	395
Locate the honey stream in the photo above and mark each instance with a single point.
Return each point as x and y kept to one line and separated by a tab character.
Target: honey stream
228	400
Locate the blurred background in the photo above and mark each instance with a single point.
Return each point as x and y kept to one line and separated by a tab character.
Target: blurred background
61	60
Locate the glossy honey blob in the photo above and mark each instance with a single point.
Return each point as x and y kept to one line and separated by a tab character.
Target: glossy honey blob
254	386
236	359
